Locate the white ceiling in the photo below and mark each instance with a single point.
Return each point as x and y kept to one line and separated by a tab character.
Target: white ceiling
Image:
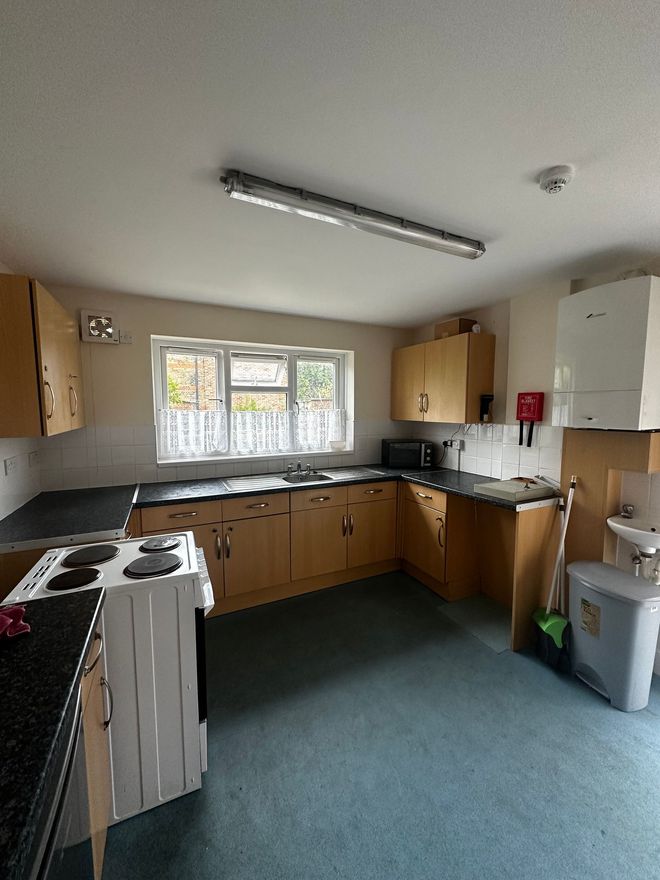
116	118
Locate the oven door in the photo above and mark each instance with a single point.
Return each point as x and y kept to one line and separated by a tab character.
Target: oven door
68	853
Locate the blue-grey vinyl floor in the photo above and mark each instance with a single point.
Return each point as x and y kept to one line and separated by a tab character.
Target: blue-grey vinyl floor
359	733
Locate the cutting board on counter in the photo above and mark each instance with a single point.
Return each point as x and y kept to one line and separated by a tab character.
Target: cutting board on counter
518	490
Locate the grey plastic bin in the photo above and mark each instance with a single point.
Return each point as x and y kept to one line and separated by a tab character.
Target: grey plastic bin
614	632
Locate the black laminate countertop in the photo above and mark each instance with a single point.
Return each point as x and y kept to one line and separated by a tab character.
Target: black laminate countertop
157	494
457	483
450	481
39	682
53	519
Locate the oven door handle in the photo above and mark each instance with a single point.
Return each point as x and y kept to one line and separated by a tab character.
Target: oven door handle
106	684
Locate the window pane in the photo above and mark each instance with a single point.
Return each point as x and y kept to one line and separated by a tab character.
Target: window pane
259	370
258	402
316	384
192	381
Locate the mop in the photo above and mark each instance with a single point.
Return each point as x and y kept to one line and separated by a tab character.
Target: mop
552	633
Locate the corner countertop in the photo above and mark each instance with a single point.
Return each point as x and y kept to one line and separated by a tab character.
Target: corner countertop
462	483
54	519
40	674
57	519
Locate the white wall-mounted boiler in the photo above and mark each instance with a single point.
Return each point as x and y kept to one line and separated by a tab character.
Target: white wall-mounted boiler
607	363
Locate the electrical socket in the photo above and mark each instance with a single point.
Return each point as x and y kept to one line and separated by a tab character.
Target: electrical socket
11	465
457	444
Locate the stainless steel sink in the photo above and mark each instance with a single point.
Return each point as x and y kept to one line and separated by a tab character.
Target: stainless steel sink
305	478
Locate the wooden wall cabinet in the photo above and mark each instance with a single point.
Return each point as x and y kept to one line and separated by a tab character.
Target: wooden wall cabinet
40	356
97	751
443	380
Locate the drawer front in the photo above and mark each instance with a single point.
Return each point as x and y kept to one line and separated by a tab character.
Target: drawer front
423	495
255	505
371	492
320	496
174	517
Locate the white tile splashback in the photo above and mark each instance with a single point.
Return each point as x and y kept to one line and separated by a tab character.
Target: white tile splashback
23	482
106	456
493	450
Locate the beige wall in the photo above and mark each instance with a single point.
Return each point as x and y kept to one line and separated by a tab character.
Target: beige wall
532	336
117	378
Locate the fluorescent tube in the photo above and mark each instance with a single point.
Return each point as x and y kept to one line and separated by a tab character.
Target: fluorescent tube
292	200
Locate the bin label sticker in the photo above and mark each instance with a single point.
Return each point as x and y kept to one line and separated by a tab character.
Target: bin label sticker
590	618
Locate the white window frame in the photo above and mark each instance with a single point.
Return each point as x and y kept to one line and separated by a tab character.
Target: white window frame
343	360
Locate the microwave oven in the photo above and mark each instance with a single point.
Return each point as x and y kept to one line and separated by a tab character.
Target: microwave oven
407	453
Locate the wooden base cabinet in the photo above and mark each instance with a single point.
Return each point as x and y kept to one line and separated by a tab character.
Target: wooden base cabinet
371	532
97	751
257	554
209	538
424	537
318	541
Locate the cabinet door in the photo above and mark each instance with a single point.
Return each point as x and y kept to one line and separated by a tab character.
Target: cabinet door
407	382
52	334
209	538
97	757
318	541
425	539
20	407
371	532
257	553
445	378
74	375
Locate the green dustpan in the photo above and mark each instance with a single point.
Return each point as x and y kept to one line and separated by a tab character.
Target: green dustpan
552	624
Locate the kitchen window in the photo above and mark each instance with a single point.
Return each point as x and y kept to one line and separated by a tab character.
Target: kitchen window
227	400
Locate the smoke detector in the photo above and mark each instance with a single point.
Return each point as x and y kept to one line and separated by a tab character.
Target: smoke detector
554	180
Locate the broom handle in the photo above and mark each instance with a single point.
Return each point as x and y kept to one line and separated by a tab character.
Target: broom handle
562	538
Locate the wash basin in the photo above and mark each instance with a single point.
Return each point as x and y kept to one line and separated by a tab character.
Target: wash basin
305	477
643	533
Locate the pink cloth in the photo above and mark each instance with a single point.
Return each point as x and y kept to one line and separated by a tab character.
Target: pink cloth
11	621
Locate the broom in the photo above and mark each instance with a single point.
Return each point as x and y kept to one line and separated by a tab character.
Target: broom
552	633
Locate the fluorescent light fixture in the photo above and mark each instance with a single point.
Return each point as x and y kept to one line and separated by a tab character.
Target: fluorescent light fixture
293	200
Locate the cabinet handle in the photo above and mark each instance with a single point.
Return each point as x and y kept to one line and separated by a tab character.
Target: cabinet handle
425	403
321	498
344	525
218	546
372	491
106	684
420	402
258	506
74	407
88	669
441	529
49	415
351	523
182	515
227	544
422	495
